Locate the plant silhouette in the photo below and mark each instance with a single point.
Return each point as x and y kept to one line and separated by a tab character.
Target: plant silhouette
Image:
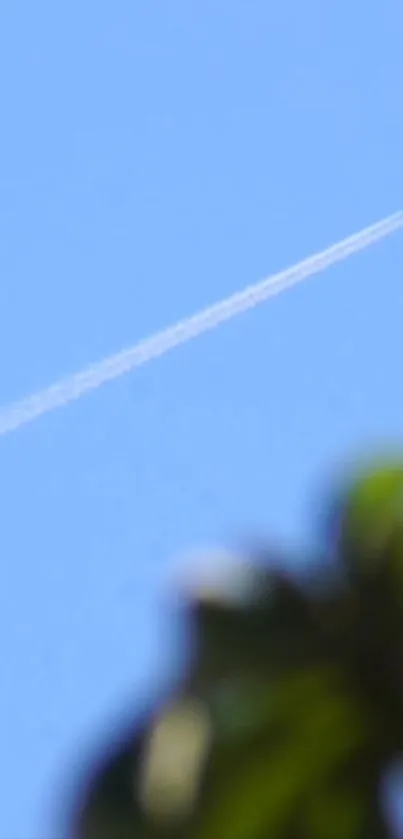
290	713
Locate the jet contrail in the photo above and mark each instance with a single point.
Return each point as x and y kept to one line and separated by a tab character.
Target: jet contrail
73	387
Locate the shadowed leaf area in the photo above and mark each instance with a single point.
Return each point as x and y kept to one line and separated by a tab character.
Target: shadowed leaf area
291	711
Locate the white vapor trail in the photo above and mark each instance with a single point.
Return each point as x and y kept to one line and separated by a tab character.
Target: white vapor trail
73	387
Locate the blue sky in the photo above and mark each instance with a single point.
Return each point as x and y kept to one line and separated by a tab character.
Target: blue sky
156	157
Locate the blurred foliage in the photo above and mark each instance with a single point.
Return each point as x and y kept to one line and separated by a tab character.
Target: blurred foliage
291	710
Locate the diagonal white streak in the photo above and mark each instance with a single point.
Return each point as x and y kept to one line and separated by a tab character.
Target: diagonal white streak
74	386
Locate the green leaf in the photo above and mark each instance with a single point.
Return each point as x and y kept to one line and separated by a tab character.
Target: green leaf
372	515
255	788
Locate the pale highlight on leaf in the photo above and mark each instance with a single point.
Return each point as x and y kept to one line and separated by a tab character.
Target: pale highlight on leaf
173	762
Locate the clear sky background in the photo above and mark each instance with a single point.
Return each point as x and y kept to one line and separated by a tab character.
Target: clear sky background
155	157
